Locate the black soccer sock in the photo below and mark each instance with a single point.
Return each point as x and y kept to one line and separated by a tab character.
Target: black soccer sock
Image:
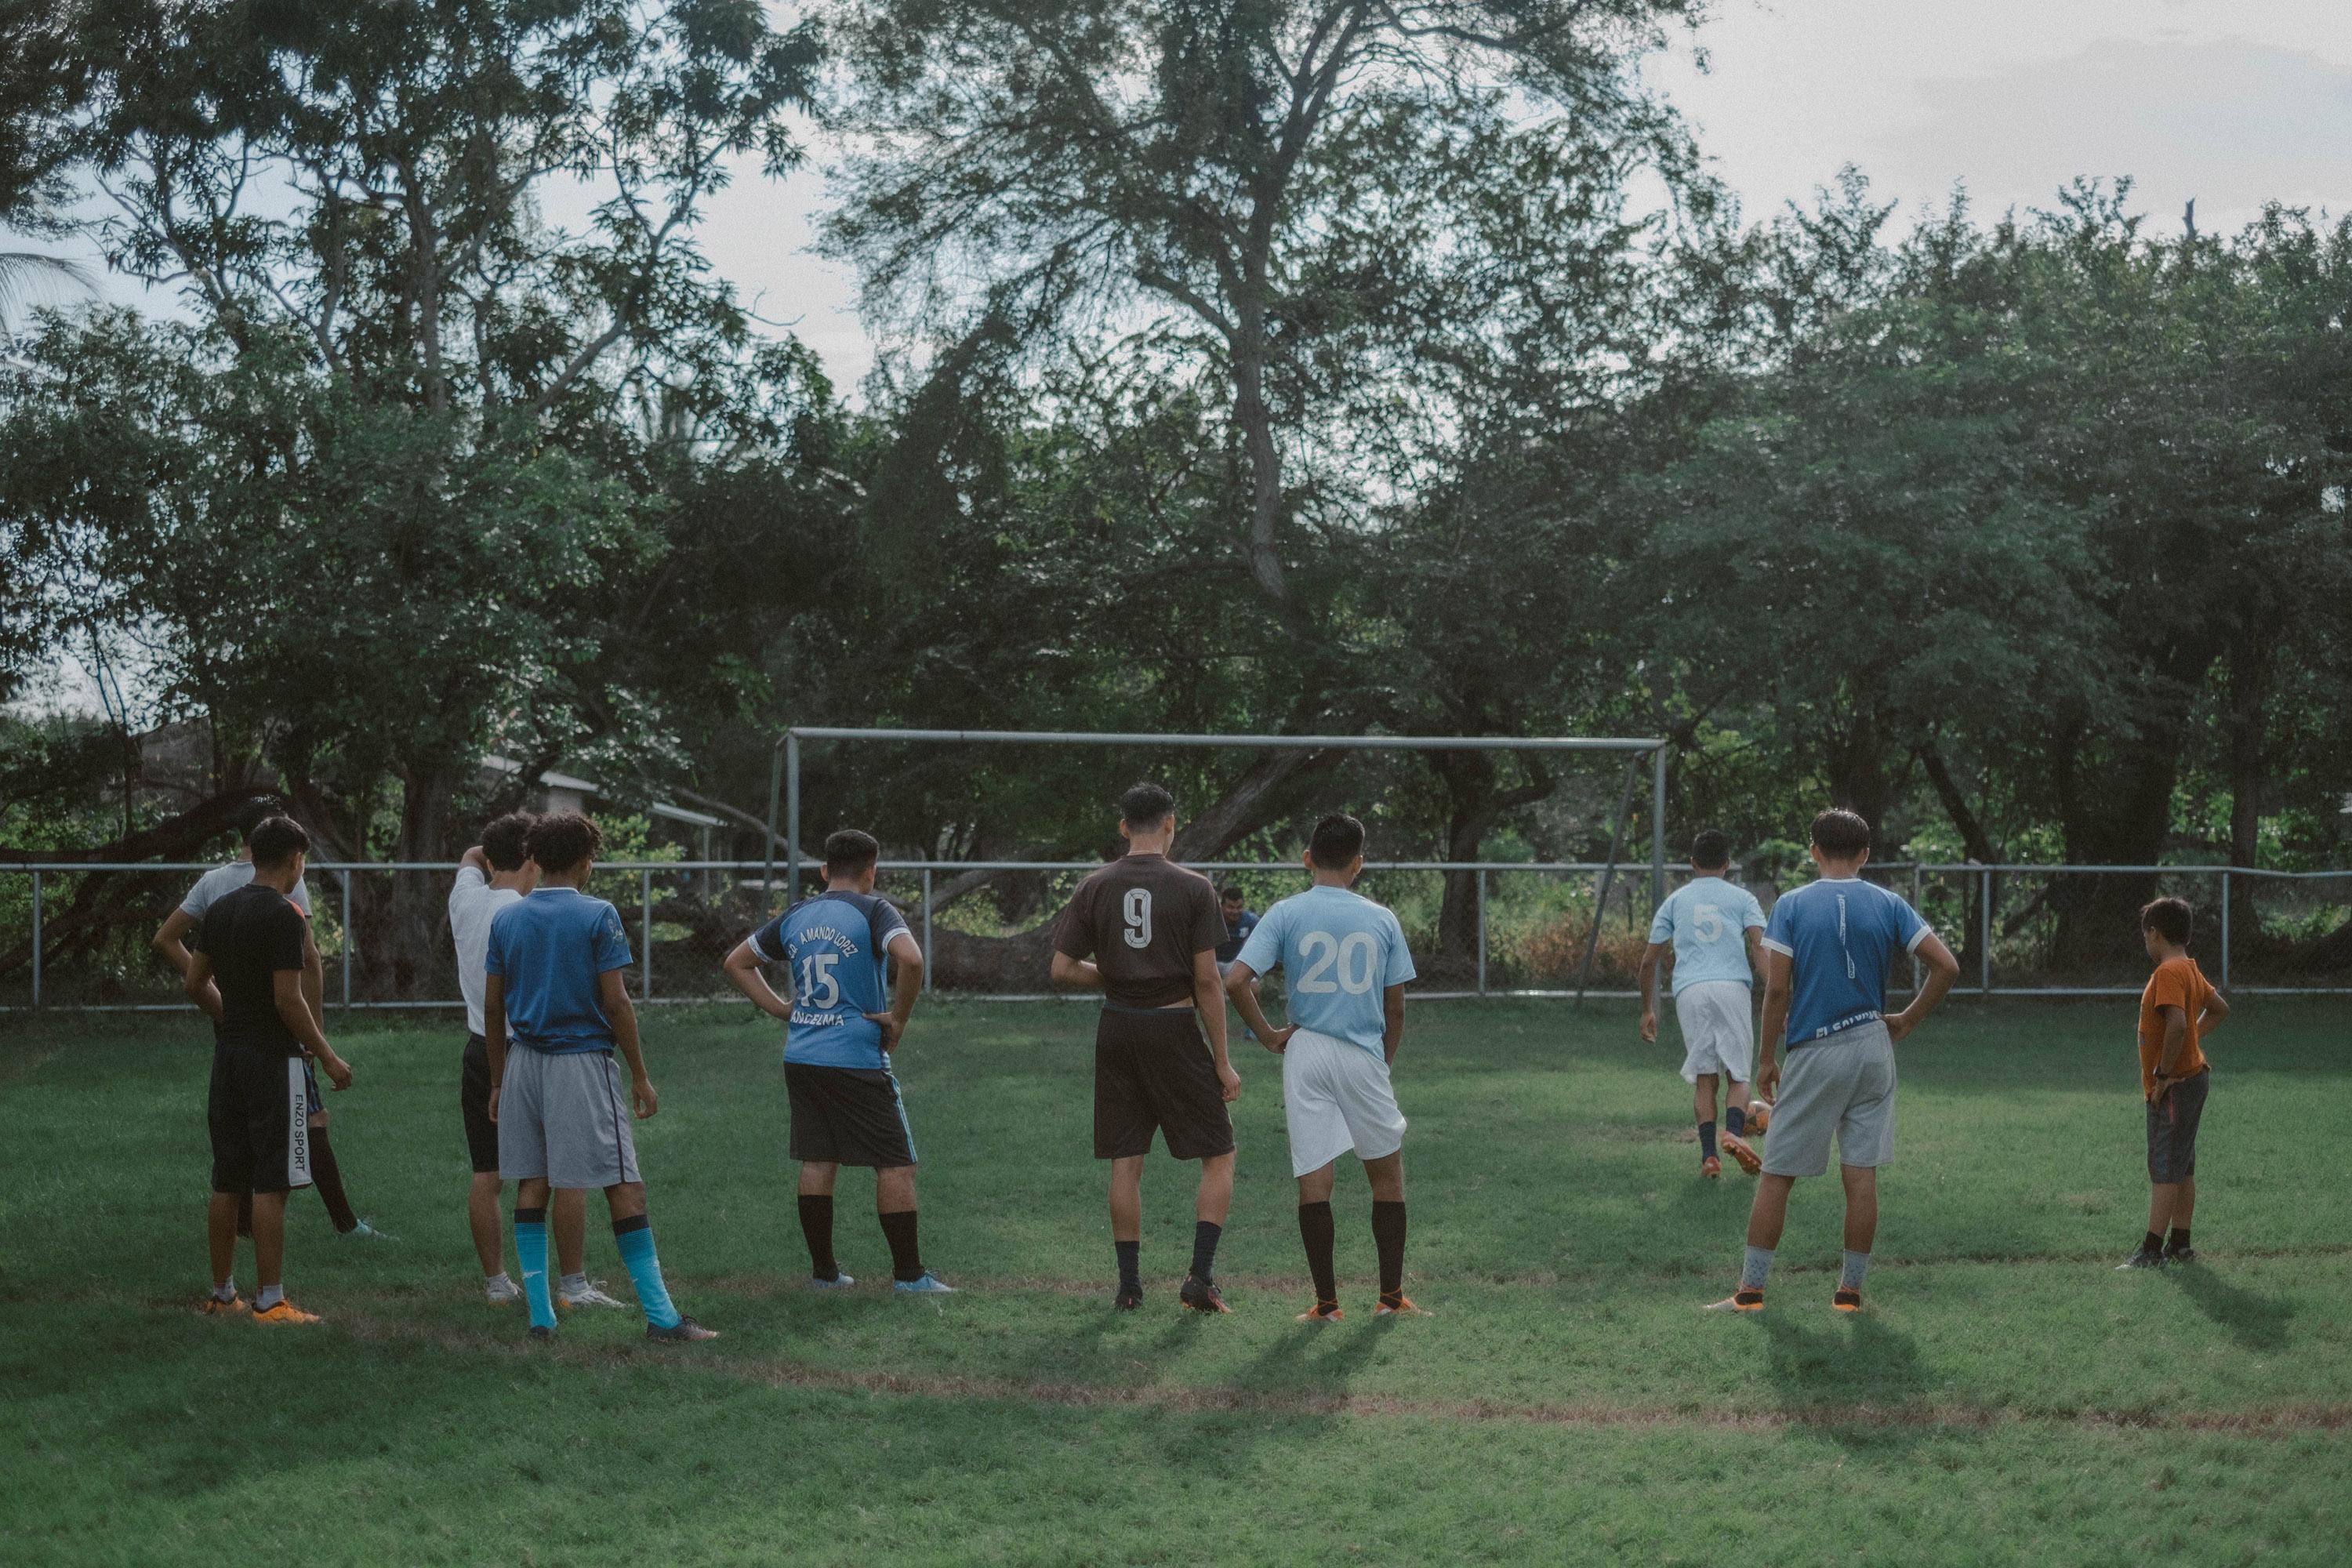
2152	1243
1388	1236
245	1214
905	1258
1707	1141
1204	1247
2179	1238
327	1177
817	1229
1130	1264
1316	1229
1735	1120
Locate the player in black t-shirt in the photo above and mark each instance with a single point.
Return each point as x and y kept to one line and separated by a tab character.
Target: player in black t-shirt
1145	930
245	971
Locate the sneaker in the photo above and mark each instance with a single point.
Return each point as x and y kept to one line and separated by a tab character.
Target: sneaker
1846	1301
2143	1257
285	1311
216	1307
839	1281
1741	1300
1711	1167
1321	1312
1397	1305
2179	1254
591	1294
501	1292
685	1329
1127	1300
365	1230
930	1284
1760	1115
1201	1295
1738	1148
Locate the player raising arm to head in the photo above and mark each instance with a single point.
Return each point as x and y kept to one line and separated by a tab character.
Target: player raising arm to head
1344	968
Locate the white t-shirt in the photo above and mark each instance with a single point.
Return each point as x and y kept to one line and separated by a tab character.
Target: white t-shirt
474	903
222	880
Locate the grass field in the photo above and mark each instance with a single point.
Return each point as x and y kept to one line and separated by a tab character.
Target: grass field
2007	1397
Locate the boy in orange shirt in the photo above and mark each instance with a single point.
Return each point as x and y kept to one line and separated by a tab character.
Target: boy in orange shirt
2177	1010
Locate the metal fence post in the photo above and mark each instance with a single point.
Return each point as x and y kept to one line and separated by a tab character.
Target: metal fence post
1482	932
927	928
1915	905
347	937
37	938
1984	934
2225	928
646	931
792	819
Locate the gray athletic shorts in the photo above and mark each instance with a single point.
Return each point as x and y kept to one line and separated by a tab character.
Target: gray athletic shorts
1842	1087
565	1119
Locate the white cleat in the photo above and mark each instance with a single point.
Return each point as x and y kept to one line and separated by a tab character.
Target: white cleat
501	1292
591	1294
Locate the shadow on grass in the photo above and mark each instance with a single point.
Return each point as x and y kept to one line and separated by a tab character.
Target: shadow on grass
1841	1361
2257	1322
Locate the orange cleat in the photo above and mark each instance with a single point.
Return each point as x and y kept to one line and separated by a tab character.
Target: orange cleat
285	1311
1738	1148
216	1307
1711	1167
1321	1312
1741	1300
1846	1301
1398	1305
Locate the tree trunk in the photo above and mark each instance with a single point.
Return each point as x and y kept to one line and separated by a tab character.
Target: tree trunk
2249	687
402	937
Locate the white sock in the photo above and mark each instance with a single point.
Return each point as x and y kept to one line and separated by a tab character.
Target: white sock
270	1296
225	1291
575	1283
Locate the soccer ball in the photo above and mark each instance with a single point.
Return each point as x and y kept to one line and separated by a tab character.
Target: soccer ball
1760	1115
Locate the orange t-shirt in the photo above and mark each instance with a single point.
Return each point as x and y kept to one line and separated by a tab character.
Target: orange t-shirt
2177	983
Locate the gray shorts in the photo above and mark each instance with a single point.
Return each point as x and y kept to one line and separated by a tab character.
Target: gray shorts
2172	1130
565	1119
1842	1087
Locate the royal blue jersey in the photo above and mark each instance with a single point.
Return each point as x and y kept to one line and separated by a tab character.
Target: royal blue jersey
833	946
548	951
1839	935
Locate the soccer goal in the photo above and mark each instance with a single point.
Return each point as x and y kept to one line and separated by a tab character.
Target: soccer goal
785	783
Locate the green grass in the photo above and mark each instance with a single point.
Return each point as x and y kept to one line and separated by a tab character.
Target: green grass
2008	1396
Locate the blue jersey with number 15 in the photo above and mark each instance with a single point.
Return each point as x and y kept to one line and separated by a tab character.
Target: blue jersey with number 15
833	945
1339	951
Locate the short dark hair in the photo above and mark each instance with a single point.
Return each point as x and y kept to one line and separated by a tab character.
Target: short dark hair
506	840
275	840
1710	849
1339	839
1840	834
1146	805
2169	918
1232	890
848	852
562	839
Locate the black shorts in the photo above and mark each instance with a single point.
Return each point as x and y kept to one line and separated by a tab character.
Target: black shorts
847	1116
258	1112
1153	1073
474	1104
2172	1130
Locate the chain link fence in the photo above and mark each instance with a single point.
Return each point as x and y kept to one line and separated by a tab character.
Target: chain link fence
76	937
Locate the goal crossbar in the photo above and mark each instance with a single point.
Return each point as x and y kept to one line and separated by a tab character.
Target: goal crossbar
784	769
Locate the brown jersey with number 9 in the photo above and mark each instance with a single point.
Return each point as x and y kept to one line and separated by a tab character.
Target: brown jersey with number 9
1142	919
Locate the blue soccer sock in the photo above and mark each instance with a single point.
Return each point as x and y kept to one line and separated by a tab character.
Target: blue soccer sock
1735	1120
634	1237
530	1252
1706	1139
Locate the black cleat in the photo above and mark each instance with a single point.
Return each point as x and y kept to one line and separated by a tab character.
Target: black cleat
1127	1300
539	1332
1201	1295
2145	1258
685	1329
2180	1255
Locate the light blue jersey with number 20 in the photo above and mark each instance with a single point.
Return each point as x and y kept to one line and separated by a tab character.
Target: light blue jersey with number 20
1339	951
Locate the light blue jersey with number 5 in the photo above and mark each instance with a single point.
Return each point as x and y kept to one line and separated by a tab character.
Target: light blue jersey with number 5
1339	951
833	945
1708	920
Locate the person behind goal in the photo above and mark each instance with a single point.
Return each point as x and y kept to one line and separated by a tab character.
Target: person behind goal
1145	930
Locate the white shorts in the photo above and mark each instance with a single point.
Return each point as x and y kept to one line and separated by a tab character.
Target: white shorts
1337	1098
1718	1031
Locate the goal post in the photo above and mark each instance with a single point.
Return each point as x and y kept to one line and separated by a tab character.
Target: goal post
784	771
